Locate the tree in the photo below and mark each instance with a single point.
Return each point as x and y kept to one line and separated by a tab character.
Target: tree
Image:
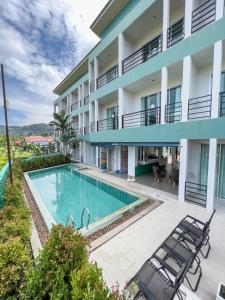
67	135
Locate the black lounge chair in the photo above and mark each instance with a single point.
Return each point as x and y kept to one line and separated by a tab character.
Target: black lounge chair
181	254
158	282
194	231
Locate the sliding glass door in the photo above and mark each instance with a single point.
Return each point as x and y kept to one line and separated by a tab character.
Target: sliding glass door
204	160
220	172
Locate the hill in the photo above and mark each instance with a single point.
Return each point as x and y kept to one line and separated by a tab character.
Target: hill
33	129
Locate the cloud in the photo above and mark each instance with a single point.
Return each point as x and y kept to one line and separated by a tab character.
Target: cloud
40	42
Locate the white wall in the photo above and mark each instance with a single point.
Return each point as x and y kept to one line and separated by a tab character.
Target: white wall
103	107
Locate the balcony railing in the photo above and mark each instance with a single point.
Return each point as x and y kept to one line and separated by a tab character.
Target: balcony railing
81	102
143	54
222	104
203	15
92	86
107	124
86	100
86	129
195	193
173	112
108	76
76	129
141	118
74	105
175	33
200	108
93	126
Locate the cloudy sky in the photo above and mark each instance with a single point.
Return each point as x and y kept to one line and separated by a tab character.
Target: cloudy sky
40	42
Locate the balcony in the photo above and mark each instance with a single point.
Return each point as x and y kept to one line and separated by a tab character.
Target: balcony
200	107
203	15
175	33
86	130
74	105
143	54
86	100
196	193
222	105
173	112
92	86
81	102
141	118
93	126
108	76
107	124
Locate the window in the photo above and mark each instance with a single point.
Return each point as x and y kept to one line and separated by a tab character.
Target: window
112	117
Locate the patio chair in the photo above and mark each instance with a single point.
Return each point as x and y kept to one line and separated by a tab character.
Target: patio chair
181	254
193	230
157	174
157	281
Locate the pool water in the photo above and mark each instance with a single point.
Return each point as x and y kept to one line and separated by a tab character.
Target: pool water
65	190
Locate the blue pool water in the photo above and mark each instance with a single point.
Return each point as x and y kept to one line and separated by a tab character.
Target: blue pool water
64	189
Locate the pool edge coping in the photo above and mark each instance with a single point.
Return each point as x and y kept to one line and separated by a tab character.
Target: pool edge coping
97	225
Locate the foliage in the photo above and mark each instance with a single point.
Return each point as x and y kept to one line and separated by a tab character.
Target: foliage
32	129
67	135
64	252
15	257
88	284
44	161
14	261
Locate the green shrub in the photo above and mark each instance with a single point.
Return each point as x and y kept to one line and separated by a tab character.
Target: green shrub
15	228
14	260
88	284
44	161
64	252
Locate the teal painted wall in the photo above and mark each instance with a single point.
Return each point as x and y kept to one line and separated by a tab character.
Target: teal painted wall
201	129
80	110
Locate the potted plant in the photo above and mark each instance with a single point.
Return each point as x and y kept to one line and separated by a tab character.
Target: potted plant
220	295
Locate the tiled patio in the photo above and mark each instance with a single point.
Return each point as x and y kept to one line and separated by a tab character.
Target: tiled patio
122	256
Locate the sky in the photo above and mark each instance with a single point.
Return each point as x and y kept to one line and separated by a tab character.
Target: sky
40	43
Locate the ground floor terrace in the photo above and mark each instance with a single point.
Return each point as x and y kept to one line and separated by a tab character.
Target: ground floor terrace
191	170
122	251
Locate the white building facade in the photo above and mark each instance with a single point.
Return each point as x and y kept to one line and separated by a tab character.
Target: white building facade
153	91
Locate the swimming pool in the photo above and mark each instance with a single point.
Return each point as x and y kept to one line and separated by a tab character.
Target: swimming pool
64	190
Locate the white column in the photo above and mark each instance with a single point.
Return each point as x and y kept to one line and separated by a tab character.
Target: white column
96	114
97	156
186	86
183	168
219	9
164	87
117	158
166	21
80	151
217	68
131	163
95	71
120	52
84	152
121	105
90	114
188	17
211	174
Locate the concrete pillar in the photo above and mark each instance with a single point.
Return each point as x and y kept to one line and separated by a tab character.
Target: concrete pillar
95	71
96	114
131	163
211	174
97	156
188	17
120	52
89	76
183	168
84	152
117	158
186	86
121	106
166	22
217	68
219	9
164	87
